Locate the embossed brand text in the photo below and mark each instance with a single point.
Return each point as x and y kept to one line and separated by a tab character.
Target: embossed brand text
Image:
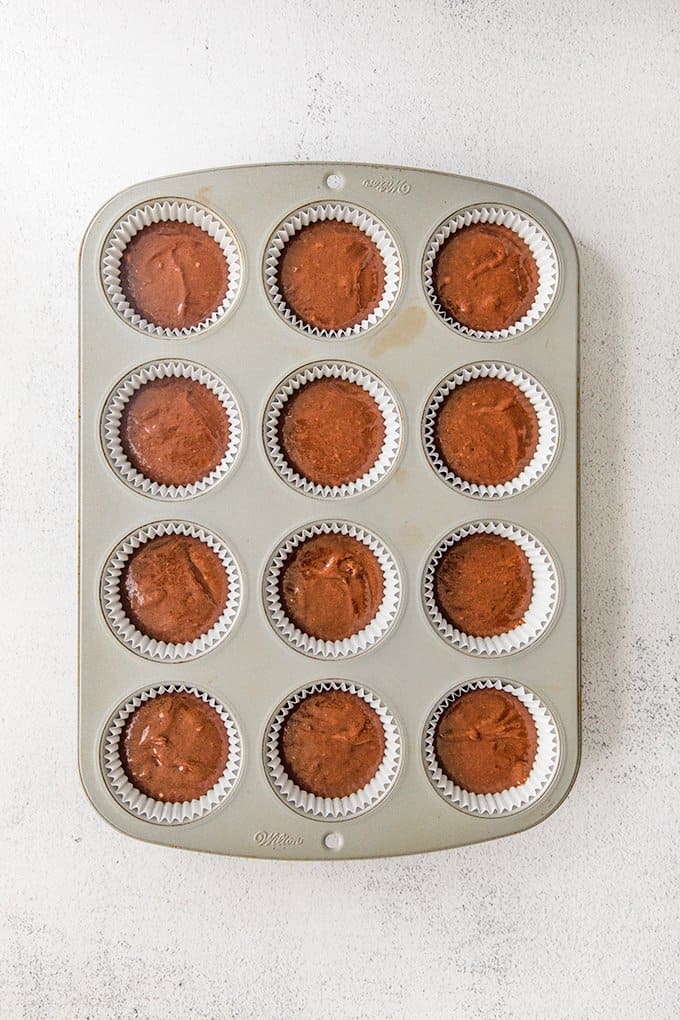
387	186
277	839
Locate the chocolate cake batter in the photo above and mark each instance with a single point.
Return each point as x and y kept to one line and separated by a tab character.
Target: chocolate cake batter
332	744
174	747
174	431
331	586
331	431
486	277
174	588
486	431
331	275
483	585
174	274
486	741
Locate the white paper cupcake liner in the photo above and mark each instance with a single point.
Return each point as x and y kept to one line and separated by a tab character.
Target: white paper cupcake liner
531	233
168	812
337	808
360	642
518	797
548	429
344	213
170	209
142	644
387	405
544	600
115	407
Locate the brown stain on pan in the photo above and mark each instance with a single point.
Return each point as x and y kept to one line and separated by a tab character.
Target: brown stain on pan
405	330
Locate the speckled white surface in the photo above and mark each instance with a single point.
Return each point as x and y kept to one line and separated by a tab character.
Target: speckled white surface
573	101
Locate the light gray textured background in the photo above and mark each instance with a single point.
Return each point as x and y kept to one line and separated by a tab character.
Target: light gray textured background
574	101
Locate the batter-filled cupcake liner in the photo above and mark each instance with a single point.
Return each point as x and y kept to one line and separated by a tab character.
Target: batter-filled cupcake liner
533	236
385	401
517	797
548	429
177	210
544	598
115	407
373	633
125	630
168	812
344	213
336	808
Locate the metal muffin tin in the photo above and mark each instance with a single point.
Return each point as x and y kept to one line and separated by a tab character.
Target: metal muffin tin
253	672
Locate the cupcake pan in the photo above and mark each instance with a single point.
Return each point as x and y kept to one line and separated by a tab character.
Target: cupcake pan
250	668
